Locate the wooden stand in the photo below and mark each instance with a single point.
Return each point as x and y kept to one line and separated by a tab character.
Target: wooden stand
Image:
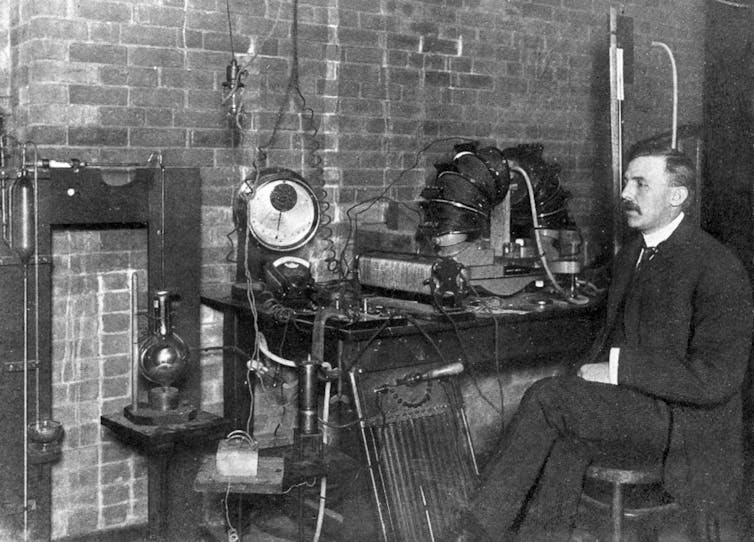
279	471
158	442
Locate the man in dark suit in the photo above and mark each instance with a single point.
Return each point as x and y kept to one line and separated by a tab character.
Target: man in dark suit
663	382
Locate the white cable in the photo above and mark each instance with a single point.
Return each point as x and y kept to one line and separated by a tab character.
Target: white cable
674	131
323	481
274	357
535	223
734	4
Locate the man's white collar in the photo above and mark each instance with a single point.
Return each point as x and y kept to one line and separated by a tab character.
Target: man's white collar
656	237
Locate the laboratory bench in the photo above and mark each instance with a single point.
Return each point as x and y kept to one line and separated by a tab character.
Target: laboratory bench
526	330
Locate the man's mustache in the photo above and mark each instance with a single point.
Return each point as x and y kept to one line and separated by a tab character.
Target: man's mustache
629	206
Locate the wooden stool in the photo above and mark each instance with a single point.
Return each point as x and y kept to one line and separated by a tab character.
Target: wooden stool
617	478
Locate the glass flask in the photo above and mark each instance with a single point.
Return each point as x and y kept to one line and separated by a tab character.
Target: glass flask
164	355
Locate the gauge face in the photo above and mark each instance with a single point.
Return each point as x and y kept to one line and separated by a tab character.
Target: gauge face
283	214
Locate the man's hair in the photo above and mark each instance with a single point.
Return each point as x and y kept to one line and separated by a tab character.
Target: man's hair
678	166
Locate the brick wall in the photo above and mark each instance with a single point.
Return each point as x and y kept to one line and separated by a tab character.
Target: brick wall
111	81
99	482
388	81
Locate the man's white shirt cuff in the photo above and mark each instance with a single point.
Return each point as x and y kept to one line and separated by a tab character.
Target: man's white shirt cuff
612	365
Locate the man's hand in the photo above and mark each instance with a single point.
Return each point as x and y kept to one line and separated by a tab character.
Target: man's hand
595	372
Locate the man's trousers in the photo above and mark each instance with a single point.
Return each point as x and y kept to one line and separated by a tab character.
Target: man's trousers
532	486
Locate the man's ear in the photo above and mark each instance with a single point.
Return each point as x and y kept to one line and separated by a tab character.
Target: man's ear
678	195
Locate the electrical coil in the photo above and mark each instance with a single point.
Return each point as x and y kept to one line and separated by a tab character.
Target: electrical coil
549	195
457	205
458	202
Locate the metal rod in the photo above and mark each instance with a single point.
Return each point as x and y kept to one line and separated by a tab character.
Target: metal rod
390	449
615	127
162	221
134	330
410	509
4	203
26	398
36	290
381	466
421	471
426	512
434	428
393	476
370	465
466	429
430	451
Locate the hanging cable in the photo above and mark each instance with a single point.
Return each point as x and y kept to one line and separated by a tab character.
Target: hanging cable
674	124
323	480
311	147
230	29
352	222
536	228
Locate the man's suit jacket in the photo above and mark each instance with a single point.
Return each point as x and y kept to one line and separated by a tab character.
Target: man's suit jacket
687	336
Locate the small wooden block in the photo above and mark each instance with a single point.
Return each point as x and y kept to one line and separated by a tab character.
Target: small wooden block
269	478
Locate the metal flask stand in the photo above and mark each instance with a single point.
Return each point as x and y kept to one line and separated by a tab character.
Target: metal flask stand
162	359
43	435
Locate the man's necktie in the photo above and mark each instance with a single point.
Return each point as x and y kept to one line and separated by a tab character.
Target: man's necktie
647	253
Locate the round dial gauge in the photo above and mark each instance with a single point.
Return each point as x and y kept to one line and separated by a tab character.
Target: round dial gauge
283	212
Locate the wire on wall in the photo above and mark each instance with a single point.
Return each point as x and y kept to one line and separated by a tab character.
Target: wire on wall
310	142
360	207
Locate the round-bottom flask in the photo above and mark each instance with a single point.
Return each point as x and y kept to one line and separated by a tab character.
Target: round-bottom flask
163	357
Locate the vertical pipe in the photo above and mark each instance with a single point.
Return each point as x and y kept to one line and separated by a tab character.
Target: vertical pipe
23	244
25	405
616	142
36	291
4	203
162	221
134	331
307	396
617	512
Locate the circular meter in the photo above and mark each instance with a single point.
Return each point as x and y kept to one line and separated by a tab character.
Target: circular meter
282	210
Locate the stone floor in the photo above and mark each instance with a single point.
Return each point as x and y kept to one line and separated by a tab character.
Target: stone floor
282	528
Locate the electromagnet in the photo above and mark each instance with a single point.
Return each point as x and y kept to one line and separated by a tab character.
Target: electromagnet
495	220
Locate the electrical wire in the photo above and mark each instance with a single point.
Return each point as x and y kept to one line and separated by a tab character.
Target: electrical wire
310	130
255	322
230	29
357	358
370	202
300	484
496	354
536	228
274	357
232	532
323	480
734	4
466	356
